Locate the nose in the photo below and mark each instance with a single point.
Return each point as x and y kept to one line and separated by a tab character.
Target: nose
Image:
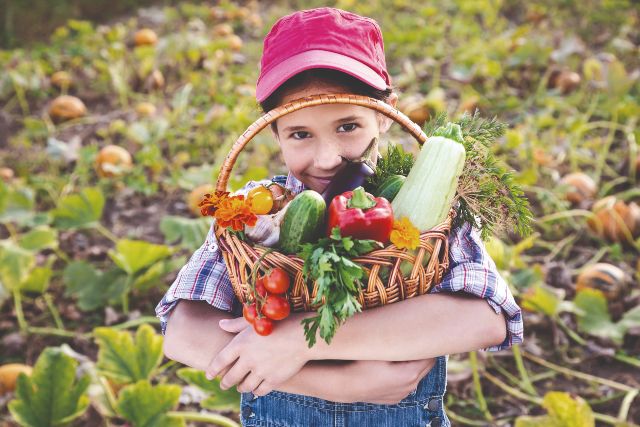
328	156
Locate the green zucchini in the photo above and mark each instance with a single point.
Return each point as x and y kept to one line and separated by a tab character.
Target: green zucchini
391	186
427	194
303	222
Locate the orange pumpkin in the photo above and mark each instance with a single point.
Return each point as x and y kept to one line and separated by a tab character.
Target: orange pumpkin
67	107
145	37
112	161
9	376
580	187
613	218
605	277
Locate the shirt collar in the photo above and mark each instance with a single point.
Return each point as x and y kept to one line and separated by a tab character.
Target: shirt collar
294	184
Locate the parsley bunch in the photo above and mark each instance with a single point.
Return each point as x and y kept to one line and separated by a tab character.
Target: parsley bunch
328	261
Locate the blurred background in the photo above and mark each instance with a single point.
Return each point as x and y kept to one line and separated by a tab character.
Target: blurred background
115	117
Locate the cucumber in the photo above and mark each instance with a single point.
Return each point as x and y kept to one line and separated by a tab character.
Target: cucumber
390	186
303	222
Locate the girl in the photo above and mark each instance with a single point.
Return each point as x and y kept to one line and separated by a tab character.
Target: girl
393	377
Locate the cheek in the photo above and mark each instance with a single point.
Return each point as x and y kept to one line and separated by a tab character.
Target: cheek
296	159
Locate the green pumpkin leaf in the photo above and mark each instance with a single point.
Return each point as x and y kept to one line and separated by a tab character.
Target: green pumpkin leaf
594	318
38	279
92	288
135	255
154	274
51	396
79	210
16	204
542	299
124	360
15	264
39	238
190	232
564	411
144	405
631	318
219	400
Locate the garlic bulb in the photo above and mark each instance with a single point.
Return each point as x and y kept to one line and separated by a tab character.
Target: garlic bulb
266	232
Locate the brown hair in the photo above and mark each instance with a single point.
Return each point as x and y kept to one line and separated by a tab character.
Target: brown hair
324	75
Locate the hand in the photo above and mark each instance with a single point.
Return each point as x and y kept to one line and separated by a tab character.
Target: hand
387	383
257	363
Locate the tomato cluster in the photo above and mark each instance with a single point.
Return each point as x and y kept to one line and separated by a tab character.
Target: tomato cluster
268	301
261	200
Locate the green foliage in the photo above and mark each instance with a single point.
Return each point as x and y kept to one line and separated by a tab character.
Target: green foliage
16	204
15	264
594	318
125	360
39	238
563	411
395	161
51	396
135	255
190	232
80	210
145	405
93	288
218	399
328	262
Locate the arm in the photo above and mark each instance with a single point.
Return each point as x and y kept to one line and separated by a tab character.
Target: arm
189	342
422	327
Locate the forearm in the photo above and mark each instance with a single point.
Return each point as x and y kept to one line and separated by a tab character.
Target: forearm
193	336
419	328
324	379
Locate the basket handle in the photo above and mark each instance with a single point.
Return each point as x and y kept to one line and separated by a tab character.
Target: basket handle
295	105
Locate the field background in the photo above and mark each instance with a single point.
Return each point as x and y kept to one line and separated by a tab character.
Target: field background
77	297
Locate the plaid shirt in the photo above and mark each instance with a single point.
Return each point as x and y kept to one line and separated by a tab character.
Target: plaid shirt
471	270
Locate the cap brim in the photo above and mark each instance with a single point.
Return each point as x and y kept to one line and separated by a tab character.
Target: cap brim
279	74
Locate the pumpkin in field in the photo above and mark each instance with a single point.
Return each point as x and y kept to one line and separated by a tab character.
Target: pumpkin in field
615	220
67	107
580	187
145	37
145	109
61	79
9	376
112	160
605	277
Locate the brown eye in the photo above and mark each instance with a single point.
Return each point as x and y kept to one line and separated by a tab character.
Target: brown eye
348	127
296	135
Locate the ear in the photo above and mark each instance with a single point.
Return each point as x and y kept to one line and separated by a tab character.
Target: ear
385	122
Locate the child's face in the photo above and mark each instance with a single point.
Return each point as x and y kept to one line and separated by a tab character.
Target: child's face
313	140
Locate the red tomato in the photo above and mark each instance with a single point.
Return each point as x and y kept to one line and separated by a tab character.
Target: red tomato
263	326
277	281
276	307
260	289
250	312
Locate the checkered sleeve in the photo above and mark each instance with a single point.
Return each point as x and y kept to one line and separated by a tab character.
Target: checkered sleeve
473	271
205	276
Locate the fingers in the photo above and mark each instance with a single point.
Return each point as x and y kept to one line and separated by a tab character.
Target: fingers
234	325
263	389
225	358
235	375
250	383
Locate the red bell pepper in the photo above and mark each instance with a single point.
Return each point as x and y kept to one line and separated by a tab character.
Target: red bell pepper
360	215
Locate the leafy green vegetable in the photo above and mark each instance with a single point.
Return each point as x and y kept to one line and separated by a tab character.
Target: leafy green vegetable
124	360
146	406
91	287
395	161
51	396
328	262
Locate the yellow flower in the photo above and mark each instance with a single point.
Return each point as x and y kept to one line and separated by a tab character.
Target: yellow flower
404	234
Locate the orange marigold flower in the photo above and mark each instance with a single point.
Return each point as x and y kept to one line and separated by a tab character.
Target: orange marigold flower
235	212
210	202
404	234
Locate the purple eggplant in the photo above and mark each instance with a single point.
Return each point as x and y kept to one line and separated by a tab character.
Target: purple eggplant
353	175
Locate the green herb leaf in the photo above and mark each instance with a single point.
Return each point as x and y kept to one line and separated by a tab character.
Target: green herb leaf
395	161
328	263
51	396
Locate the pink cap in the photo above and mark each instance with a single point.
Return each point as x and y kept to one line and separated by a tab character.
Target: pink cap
322	38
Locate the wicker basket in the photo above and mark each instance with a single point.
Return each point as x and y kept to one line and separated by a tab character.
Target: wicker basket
240	256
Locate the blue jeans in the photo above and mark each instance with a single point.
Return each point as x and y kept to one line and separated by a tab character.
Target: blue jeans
421	408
